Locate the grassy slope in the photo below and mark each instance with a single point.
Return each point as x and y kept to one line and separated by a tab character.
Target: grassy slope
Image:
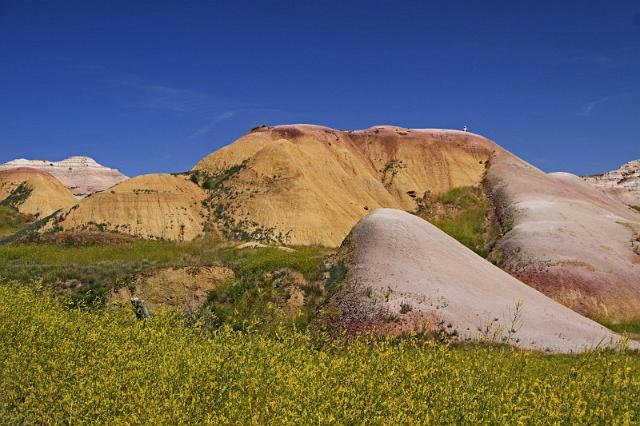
464	213
631	327
157	253
257	295
104	367
98	268
11	220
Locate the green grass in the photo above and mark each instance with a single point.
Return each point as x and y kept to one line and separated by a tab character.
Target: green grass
259	295
98	268
304	259
60	366
11	220
465	214
84	276
631	326
140	251
101	264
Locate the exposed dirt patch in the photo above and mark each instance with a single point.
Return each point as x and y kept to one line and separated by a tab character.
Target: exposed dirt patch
183	288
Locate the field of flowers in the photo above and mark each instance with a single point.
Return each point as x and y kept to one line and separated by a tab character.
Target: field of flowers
78	366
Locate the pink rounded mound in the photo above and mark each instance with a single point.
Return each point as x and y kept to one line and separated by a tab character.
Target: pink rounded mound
568	239
405	274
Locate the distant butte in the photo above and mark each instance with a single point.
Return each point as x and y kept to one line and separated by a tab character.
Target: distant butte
623	183
83	176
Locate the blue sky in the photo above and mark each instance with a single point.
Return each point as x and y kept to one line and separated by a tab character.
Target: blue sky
154	86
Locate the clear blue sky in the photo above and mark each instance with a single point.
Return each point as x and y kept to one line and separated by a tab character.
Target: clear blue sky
153	86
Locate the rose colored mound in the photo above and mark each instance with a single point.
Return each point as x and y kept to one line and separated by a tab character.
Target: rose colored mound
568	239
405	274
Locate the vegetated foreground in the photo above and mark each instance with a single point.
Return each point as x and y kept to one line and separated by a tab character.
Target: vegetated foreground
59	365
267	285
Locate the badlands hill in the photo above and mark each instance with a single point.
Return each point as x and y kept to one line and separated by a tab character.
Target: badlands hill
33	193
149	206
405	274
567	239
304	184
309	185
82	175
623	183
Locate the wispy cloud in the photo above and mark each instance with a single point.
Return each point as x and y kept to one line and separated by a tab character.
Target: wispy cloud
214	121
254	112
589	107
209	109
169	98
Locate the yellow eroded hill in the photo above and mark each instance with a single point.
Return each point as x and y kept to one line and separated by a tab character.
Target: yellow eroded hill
150	206
305	184
34	193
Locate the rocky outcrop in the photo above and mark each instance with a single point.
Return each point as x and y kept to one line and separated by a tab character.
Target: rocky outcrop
82	175
623	183
184	288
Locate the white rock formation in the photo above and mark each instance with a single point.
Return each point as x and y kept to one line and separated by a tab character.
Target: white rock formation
82	175
404	268
623	183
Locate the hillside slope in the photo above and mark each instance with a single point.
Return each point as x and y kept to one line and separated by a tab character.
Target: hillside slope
82	175
309	185
568	239
405	274
149	206
33	193
304	184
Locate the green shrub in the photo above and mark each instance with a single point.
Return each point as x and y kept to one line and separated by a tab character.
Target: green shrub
405	308
259	295
464	213
337	274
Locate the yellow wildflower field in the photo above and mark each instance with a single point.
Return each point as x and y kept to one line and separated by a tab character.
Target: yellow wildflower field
104	367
